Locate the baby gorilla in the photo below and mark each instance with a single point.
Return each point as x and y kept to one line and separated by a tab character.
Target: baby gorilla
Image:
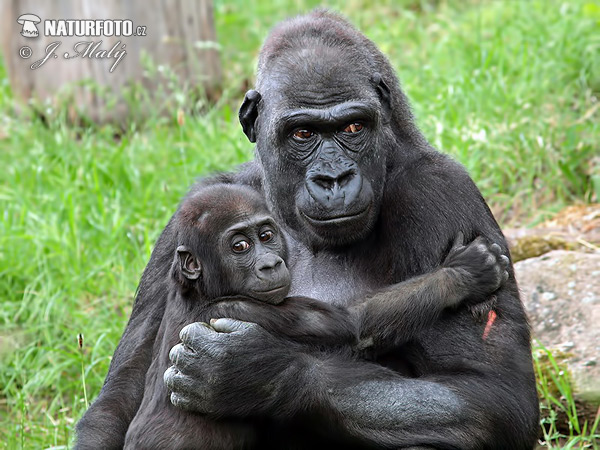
230	262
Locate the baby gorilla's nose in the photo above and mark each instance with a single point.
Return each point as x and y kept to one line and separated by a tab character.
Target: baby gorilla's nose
269	266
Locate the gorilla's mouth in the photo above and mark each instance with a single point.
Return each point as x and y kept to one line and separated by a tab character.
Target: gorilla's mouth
271	291
339	220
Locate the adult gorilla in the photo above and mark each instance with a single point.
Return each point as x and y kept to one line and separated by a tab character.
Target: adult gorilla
367	203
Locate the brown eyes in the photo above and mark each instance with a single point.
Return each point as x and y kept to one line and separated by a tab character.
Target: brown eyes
353	127
240	246
303	134
265	236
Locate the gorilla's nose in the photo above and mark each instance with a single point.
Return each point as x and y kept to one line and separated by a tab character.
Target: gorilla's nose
334	189
269	267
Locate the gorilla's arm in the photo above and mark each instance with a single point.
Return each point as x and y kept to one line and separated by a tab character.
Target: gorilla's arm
300	319
473	395
105	423
388	317
462	404
397	314
471	392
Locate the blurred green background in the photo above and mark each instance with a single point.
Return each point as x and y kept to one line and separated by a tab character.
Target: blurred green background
509	88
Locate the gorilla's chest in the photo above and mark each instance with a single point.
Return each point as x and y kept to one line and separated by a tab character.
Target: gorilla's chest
327	277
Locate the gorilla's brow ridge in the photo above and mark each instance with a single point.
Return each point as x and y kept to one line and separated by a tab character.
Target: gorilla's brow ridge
253	222
339	114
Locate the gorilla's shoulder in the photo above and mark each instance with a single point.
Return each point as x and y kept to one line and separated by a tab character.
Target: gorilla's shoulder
430	164
434	188
430	170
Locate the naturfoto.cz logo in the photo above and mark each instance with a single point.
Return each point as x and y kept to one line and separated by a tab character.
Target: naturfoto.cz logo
78	28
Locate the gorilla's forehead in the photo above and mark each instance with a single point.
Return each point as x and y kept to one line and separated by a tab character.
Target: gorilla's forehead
231	219
317	77
244	221
218	206
235	211
319	96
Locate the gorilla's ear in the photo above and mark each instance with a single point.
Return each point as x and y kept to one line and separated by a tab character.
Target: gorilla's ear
249	113
188	263
384	95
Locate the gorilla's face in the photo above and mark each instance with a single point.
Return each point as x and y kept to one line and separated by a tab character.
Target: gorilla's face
319	141
230	245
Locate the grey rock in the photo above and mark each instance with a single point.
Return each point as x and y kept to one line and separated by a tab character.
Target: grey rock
561	293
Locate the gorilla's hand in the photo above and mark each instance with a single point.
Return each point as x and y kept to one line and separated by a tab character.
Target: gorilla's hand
478	267
236	369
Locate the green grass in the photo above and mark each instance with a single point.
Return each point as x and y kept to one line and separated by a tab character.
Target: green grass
507	87
563	418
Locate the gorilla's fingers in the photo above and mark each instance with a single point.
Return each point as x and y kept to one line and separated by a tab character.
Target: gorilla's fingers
194	333
496	249
504	261
178	382
184	392
480	242
172	378
180	401
490	260
177	354
187	360
227	325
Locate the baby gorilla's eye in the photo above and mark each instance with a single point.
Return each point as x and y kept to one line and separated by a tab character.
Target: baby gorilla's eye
303	134
353	127
240	246
266	236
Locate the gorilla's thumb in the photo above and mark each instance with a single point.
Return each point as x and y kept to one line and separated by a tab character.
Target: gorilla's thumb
226	325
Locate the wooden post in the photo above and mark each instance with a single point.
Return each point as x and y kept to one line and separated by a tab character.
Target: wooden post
179	35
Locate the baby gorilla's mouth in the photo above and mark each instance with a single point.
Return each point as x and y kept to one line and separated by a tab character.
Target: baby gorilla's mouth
274	295
271	291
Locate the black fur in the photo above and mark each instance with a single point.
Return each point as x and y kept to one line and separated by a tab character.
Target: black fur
446	388
204	257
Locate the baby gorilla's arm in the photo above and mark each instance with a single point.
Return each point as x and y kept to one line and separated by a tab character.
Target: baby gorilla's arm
301	319
388	318
397	314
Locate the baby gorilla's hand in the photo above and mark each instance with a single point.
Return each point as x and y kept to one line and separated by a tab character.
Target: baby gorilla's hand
480	268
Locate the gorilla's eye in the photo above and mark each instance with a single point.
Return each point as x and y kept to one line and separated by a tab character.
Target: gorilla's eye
266	236
240	246
303	134
353	127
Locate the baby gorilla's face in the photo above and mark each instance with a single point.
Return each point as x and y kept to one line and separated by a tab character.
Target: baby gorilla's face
230	245
254	255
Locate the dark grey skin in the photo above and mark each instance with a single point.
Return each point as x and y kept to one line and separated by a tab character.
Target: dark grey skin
389	209
230	245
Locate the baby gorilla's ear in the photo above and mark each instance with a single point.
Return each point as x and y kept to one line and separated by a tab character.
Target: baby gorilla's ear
188	264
